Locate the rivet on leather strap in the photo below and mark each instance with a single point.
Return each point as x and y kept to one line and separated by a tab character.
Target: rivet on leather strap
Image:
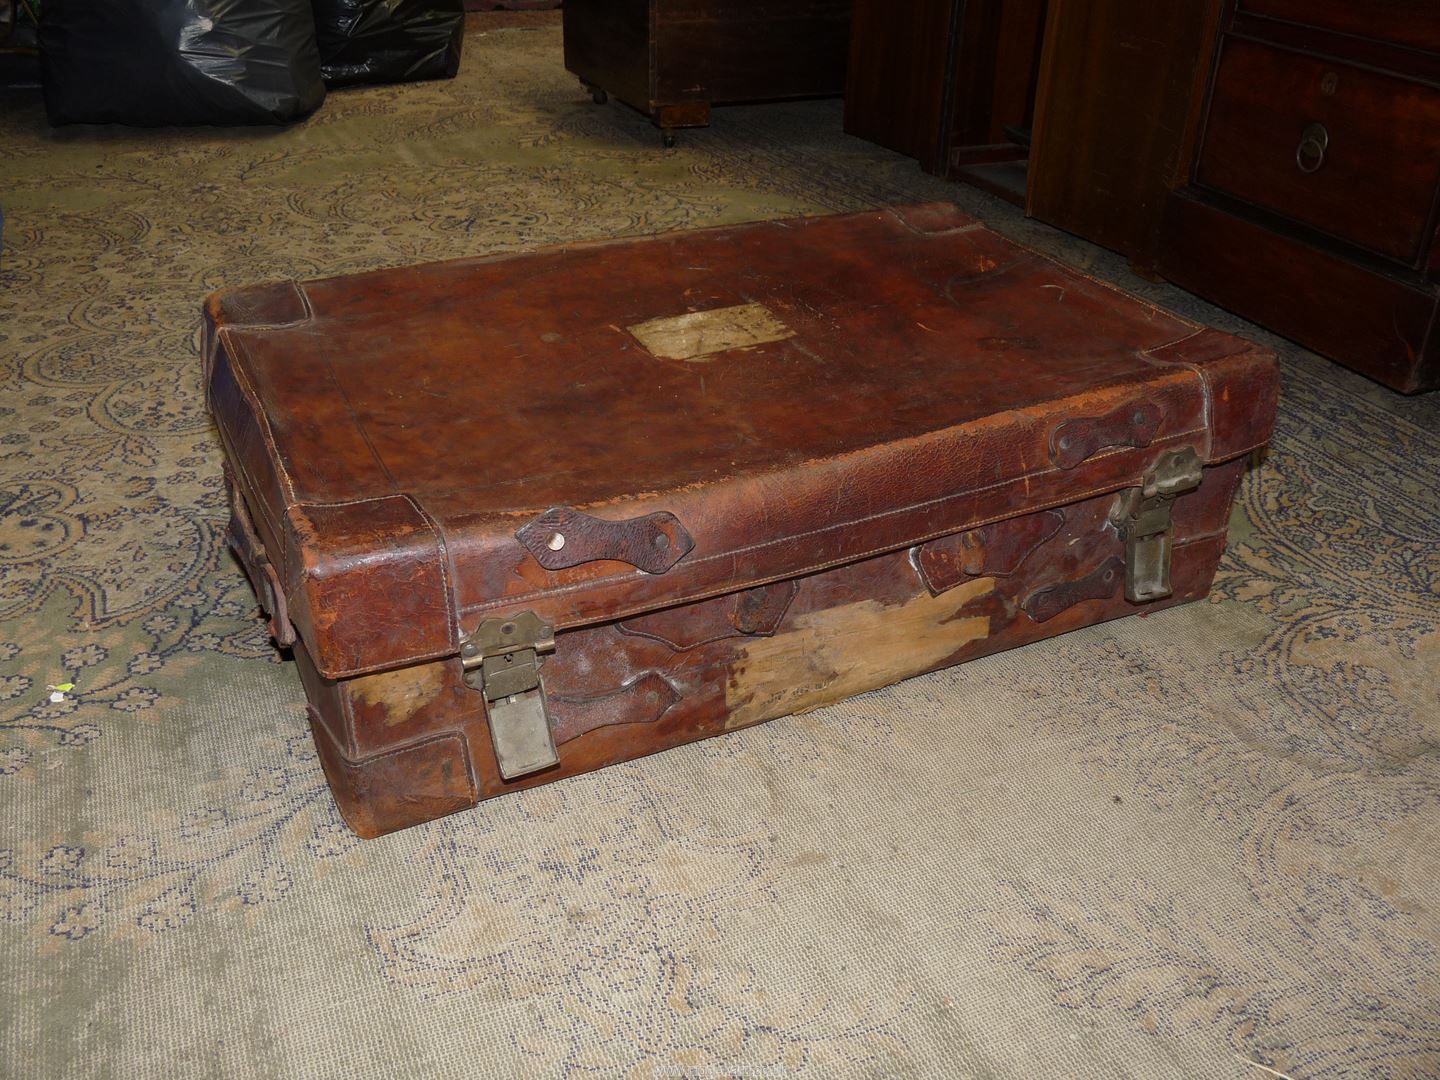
1132	424
562	537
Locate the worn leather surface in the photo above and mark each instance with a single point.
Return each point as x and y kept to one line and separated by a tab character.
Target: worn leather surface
392	431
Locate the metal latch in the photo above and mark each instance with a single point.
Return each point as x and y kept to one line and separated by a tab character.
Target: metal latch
1142	518
502	661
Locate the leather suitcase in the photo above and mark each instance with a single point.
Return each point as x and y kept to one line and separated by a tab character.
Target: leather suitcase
526	516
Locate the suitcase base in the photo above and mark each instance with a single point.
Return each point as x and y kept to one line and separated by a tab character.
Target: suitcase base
406	746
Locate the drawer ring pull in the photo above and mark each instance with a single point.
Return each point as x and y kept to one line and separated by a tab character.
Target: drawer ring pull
1310	154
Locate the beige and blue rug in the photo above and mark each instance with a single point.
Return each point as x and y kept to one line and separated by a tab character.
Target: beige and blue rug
1200	844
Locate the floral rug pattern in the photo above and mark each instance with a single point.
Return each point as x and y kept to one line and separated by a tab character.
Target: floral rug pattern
1203	843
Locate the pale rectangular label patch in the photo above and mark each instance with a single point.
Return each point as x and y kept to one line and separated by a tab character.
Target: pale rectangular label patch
699	335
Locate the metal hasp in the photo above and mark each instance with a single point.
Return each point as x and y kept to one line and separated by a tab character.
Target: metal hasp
1142	518
502	661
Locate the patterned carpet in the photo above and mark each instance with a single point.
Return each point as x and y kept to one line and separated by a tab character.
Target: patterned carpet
1200	844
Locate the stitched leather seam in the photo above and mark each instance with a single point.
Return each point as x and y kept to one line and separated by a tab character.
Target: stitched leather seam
1206	390
517	602
299	287
242	380
317	716
279	558
699	597
455	735
316	504
511	601
354	758
309	505
452	617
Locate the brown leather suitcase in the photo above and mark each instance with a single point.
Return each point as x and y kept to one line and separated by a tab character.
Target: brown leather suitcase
527	516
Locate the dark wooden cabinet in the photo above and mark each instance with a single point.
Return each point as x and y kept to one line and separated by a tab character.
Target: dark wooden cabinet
1079	109
1314	202
1279	157
1339	148
1116	112
673	59
950	83
894	92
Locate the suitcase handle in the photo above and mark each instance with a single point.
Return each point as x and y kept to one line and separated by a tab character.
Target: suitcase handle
1132	424
562	537
1103	582
998	548
257	566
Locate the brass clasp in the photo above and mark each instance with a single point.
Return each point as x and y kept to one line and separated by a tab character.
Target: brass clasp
1142	518
502	660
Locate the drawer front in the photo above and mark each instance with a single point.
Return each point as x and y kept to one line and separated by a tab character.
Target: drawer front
1414	23
1353	153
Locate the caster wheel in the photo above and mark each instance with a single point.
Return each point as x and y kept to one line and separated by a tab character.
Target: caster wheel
668	139
598	96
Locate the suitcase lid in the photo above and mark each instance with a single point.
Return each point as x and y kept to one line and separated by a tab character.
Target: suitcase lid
594	431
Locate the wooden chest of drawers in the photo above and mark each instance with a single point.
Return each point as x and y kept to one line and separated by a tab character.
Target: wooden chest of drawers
673	59
1314	205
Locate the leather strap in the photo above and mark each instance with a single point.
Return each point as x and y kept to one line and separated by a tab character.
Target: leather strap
562	537
257	566
1132	424
755	612
1100	584
997	548
642	701
758	611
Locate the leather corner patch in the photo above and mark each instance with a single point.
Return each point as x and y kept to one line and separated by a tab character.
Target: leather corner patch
373	590
700	335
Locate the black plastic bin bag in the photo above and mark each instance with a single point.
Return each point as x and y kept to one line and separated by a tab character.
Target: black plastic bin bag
388	41
157	62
